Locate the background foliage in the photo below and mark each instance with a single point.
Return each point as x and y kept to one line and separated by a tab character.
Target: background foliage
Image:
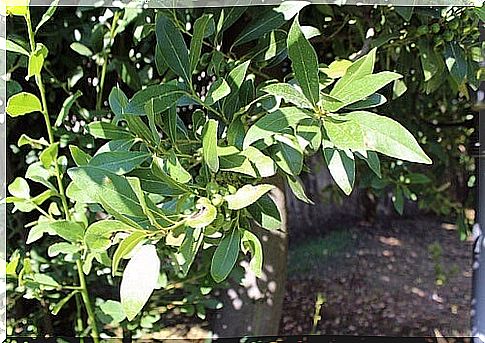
240	77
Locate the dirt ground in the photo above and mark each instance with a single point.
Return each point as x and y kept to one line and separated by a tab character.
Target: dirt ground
398	278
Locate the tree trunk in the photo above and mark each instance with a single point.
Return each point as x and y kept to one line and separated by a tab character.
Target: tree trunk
254	308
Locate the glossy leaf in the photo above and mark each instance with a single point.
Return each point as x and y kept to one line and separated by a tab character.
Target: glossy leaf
201	26
172	47
125	247
98	235
209	145
289	93
246	195
362	130
66	107
265	212
119	162
304	62
104	130
225	256
250	243
341	165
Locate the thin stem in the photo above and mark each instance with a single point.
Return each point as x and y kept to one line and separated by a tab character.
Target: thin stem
87	302
99	100
79	320
82	281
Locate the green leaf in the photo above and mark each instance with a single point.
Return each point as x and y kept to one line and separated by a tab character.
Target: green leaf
304	62
270	46
341	165
34	143
225	256
104	130
172	47
209	145
117	101
250	243
217	91
296	186
337	69
362	67
361	130
455	61
201	26
48	157
115	189
278	121
374	100
398	200
81	49
164	96
206	214
19	188
70	231
172	124
66	107
20	8
287	154
264	165
361	88
430	61
158	170
309	134
398	89
176	171
231	159
23	103
62	302
36	60
406	12
139	280
110	312
119	162
47	14
125	247
14	47
289	93
186	254
246	195
269	21
62	248
265	212
98	235
372	160
80	157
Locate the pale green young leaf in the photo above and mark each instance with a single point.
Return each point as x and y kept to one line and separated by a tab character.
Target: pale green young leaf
250	243
304	62
176	171
19	188
139	280
209	145
34	143
337	69
23	103
225	256
69	230
246	195
36	60
48	157
231	159
172	47
341	165
309	134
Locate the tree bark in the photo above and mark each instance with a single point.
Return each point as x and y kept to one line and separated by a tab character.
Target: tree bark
254	308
